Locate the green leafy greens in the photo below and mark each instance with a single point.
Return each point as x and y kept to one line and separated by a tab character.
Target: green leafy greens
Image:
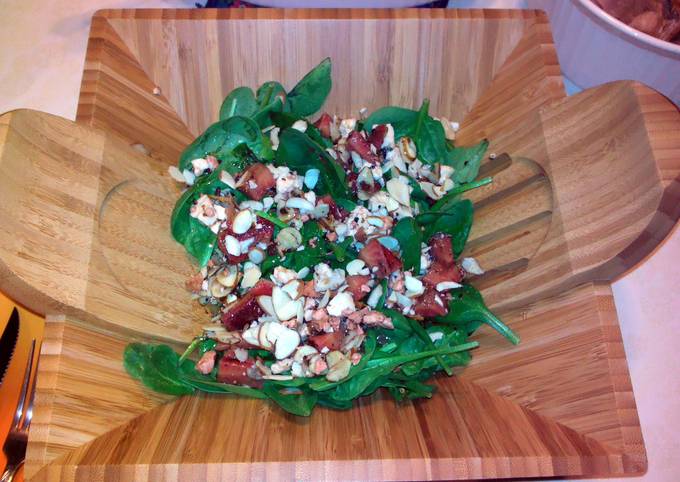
401	358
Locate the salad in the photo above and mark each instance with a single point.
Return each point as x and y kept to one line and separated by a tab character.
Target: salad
329	252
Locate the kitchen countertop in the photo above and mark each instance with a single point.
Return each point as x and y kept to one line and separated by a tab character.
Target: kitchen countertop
41	63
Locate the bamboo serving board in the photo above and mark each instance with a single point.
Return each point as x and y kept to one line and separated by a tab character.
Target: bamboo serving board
589	187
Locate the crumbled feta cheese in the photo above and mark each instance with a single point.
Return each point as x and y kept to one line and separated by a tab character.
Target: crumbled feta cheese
340	303
204	210
283	275
326	278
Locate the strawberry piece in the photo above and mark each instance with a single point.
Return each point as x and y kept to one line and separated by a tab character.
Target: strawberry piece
427	307
359	144
324	125
236	372
332	341
247	309
378	135
441	250
375	254
438	274
354	284
263	234
262	177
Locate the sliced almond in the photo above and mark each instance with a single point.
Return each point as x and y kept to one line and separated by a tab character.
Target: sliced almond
356	267
339	371
228	276
374	297
448	285
228	179
262	336
286	344
274	332
284	307
251	335
266	304
414	287
251	276
334	357
304	351
472	266
243	221
233	246
399	191
299	125
292	288
218	290
300	203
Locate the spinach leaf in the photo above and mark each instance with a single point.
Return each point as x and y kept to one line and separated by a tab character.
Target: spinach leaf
310	93
377	368
197	238
429	136
300	403
240	101
206	345
223	137
425	338
343	252
135	357
271	98
453	218
208	385
465	161
402	120
467	310
191	348
300	153
268	92
409	235
157	367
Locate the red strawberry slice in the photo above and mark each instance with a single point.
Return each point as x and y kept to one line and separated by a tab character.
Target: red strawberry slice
359	144
375	254
324	125
441	250
332	341
354	284
378	135
236	372
262	177
438	274
246	309
262	234
427	306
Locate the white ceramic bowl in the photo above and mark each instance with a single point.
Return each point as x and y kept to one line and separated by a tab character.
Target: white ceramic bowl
594	48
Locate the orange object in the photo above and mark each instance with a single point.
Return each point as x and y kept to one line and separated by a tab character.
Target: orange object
31	326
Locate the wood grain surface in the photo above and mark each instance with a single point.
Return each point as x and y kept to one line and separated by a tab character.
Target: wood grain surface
590	187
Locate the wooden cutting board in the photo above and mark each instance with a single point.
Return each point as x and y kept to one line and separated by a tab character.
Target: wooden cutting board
590	187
